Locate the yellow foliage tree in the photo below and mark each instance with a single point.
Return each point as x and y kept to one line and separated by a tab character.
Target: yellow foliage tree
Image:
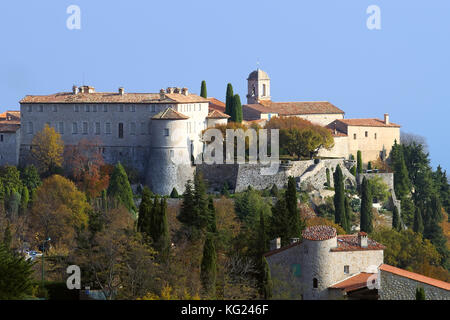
58	210
48	149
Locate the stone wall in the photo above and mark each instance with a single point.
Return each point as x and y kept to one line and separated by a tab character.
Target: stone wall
395	287
388	178
9	148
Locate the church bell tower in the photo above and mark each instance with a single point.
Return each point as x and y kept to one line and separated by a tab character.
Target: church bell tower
258	86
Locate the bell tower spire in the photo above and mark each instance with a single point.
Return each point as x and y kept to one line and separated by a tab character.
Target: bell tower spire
258	86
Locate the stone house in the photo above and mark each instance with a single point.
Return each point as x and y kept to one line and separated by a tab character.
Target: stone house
9	138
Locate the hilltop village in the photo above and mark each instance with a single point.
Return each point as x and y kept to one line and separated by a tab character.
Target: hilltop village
87	168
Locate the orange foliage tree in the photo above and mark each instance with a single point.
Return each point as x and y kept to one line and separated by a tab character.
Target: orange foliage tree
86	166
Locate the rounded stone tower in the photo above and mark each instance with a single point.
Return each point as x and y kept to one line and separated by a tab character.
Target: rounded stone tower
317	275
258	86
170	164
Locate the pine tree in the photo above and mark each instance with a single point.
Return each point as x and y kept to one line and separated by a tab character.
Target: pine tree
119	188
359	164
203	90
187	211
280	220
420	294
174	193
19	280
229	99
418	221
366	208
267	287
208	269
402	183
346	222
339	197
225	190
236	109
396	219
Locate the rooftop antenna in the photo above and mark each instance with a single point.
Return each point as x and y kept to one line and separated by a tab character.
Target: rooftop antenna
257	64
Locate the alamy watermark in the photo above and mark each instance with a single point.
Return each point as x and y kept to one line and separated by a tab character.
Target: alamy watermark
374	20
73	22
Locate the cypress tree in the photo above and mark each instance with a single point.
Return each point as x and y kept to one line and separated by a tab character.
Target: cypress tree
353	171
208	268
201	201
229	99
267	280
24	200
262	237
212	226
359	164
144	210
339	196
203	92
346	222
174	193
162	237
280	221
396	219
402	183
7	237
418	222
120	189
369	165
294	227
225	190
155	219
187	211
328	178
366	208
236	109
420	294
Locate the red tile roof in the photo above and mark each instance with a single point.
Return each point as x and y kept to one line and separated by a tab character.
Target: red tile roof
350	242
415	276
372	122
216	114
9	126
215	104
295	108
355	282
319	233
113	97
169	114
10	116
270	253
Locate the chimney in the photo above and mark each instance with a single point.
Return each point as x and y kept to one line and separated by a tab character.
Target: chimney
185	91
275	244
121	91
362	239
74	89
177	90
170	90
295	240
81	89
162	94
386	118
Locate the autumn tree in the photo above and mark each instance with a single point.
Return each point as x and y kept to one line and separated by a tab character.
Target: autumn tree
47	150
84	162
59	210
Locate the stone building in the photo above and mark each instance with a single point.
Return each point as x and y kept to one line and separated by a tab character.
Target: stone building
9	138
322	260
156	133
374	137
328	266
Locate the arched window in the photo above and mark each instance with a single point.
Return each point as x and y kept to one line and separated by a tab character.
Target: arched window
315	283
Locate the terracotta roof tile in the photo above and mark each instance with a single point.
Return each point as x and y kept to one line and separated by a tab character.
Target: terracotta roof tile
216	114
372	122
9	126
355	282
295	108
112	97
319	233
169	114
215	104
415	276
350	242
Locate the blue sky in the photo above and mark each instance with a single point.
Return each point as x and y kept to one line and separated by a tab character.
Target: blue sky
312	50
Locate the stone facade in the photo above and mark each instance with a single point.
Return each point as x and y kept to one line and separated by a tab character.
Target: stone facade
396	287
9	147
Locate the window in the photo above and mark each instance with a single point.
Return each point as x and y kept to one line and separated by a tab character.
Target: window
41	108
76	108
1	138
367	134
263	90
133	108
105	108
354	136
133	128
85	128
108	128
143	128
30	108
30	127
74	128
166	132
97	128
346	269
61	127
94	108
55	108
171	154
375	136
87	108
153	108
120	107
120	130
315	283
